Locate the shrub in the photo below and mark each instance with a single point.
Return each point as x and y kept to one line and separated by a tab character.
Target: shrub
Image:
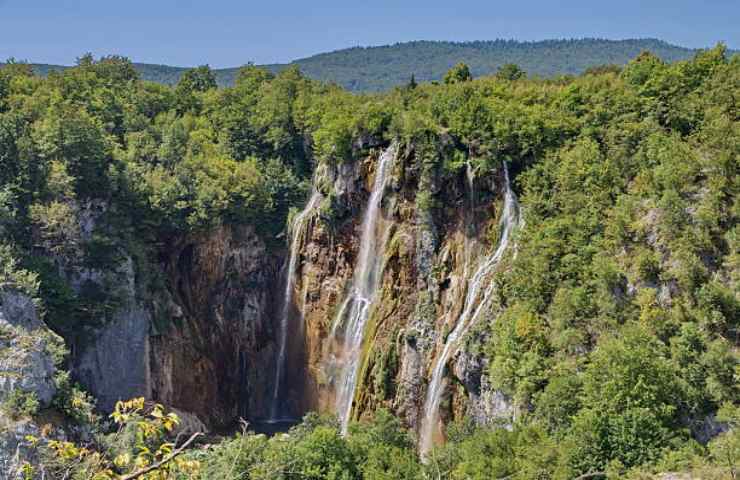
20	404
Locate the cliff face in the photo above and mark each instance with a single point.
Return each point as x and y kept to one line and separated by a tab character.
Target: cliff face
199	340
436	234
26	367
213	358
205	341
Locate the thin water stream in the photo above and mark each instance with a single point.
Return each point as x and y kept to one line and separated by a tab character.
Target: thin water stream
472	308
297	228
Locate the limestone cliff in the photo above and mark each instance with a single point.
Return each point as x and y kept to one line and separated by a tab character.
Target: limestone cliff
26	368
439	227
195	322
185	323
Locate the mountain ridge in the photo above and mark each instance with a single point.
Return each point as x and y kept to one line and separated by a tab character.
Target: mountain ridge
381	67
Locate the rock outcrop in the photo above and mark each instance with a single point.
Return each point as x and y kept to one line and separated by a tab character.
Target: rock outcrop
185	321
26	368
25	361
195	325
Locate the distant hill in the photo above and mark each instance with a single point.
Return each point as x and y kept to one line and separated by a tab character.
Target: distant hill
381	68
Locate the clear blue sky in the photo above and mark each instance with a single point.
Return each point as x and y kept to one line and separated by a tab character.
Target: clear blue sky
231	32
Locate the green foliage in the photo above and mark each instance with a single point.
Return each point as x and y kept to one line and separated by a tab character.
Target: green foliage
19	404
618	328
77	140
630	398
725	449
457	74
510	71
13	276
615	337
198	79
193	83
74	402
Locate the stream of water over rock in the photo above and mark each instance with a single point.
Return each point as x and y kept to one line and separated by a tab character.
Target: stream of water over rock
348	330
295	246
474	303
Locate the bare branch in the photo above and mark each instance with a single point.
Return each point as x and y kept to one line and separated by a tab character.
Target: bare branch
166	459
586	476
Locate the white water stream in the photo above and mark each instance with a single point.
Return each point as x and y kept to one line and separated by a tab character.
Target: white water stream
471	310
349	325
297	227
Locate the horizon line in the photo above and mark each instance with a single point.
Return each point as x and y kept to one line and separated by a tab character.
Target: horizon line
388	45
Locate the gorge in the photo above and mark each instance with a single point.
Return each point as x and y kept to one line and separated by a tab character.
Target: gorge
497	277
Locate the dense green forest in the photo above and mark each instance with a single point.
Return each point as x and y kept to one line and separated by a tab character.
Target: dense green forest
364	69
619	340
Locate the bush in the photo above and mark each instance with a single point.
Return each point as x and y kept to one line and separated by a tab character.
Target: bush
20	404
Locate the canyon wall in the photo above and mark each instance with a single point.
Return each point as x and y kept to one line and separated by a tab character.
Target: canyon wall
436	234
190	326
206	340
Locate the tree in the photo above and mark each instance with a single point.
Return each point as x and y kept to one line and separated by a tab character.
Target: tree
74	137
198	79
510	71
630	397
457	74
412	83
192	83
603	69
725	449
139	448
252	77
115	68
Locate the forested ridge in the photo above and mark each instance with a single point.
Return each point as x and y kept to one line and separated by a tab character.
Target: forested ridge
619	332
383	67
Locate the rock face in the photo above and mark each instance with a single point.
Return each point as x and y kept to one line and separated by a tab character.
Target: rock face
203	343
25	362
115	365
214	358
436	237
201	337
187	323
26	365
14	449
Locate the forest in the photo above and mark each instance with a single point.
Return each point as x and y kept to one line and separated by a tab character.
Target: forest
619	334
365	69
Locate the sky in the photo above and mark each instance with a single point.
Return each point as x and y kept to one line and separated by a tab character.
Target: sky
226	33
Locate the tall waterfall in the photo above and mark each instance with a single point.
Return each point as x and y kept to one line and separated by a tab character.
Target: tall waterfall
472	308
348	331
295	244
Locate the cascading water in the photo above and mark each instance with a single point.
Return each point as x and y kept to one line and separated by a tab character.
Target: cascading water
430	420
470	181
296	230
348	330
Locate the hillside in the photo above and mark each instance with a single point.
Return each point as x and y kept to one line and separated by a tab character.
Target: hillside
380	68
521	279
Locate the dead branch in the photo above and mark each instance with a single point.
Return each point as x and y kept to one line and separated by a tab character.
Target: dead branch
160	463
586	476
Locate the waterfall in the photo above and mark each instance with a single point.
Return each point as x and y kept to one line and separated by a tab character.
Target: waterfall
470	214
348	330
470	182
295	244
471	310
